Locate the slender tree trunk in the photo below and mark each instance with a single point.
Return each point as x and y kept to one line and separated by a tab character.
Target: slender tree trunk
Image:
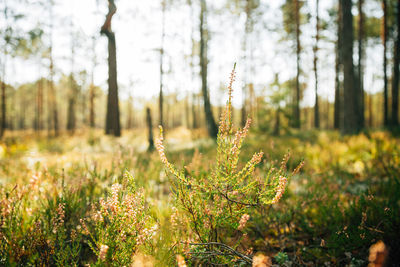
245	89
53	97
187	110
194	113
385	80
49	109
277	122
39	106
296	107
361	62
92	87
3	104
129	123
395	80
91	107
22	112
3	84
351	107
338	68
371	117
210	122
112	118
150	129
71	120
316	107
160	100
192	63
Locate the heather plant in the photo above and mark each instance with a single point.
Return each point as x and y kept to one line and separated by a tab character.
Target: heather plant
11	219
217	203
120	225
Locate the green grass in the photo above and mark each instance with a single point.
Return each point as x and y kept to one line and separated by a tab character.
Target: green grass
346	197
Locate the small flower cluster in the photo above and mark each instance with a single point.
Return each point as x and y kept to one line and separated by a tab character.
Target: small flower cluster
58	220
174	217
121	224
181	261
280	190
243	221
103	252
146	234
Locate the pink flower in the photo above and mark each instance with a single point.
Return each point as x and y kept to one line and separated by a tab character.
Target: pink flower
280	190
243	221
103	252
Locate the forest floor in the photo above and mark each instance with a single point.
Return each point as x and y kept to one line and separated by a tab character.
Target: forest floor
345	198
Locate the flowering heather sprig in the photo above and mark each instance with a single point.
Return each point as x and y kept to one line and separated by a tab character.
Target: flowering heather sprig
35	180
225	123
237	143
160	147
280	190
146	234
58	221
113	202
249	167
243	221
284	161
83	226
121	222
297	169
174	217
223	197
103	252
161	151
181	261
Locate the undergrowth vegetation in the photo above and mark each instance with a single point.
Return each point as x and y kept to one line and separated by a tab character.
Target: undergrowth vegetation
106	202
217	202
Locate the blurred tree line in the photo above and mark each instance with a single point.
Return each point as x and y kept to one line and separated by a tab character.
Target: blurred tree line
74	101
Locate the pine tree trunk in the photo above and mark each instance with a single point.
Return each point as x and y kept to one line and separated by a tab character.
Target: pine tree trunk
91	89
351	107
150	129
361	63
296	108
53	98
129	122
91	107
187	111
192	64
39	106
277	122
112	116
210	122
395	80
71	118
385	80
3	82
194	113
338	64
371	116
245	94
160	100
49	108
316	107
3	107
